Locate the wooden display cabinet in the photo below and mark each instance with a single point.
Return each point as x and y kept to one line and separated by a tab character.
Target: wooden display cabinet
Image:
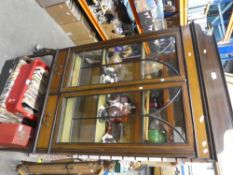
139	96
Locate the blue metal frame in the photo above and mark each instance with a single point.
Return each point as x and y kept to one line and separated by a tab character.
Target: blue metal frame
220	1
222	11
226	51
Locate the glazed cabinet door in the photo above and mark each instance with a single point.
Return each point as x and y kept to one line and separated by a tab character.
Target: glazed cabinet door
152	119
134	61
125	97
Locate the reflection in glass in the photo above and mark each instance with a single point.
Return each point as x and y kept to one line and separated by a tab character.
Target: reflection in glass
162	46
120	63
118	54
152	69
120	72
164	116
163	50
130	71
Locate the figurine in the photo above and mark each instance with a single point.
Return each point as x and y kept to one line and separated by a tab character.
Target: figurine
108	138
120	106
109	75
102	113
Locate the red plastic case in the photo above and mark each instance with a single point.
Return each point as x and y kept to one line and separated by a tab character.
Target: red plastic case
14	100
14	135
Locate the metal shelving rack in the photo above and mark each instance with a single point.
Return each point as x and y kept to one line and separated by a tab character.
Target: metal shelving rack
182	4
223	31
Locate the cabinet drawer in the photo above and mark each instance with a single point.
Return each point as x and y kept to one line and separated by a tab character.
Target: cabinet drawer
58	70
47	123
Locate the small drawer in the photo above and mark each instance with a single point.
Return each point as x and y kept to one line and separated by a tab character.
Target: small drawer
58	70
47	123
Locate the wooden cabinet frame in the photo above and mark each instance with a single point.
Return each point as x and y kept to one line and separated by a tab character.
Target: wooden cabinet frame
187	80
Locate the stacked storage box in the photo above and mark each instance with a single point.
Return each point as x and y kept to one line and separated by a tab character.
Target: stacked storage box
67	14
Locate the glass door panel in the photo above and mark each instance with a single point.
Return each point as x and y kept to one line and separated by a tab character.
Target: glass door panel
121	53
148	60
131	70
149	116
108	118
97	131
151	69
122	63
164	51
164	119
86	68
76	108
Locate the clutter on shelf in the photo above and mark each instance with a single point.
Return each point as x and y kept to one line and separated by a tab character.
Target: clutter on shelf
115	113
113	16
109	18
117	108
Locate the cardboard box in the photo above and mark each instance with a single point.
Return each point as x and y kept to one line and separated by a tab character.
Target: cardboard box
64	13
88	41
79	31
47	3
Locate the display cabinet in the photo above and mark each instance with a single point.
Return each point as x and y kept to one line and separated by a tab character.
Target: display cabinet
137	96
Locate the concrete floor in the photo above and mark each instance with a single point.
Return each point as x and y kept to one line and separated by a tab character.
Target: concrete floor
23	25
